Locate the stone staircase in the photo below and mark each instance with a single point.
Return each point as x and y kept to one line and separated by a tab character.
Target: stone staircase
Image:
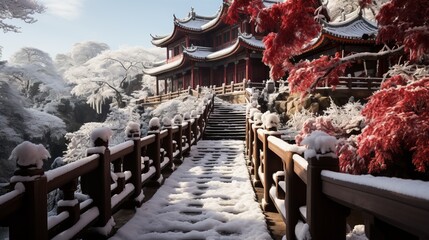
227	121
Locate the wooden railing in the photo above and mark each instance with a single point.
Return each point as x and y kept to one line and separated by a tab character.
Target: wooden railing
134	162
312	191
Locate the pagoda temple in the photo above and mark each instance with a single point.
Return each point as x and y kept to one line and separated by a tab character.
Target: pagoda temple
206	51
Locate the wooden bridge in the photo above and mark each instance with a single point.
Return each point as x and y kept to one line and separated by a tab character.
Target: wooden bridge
302	191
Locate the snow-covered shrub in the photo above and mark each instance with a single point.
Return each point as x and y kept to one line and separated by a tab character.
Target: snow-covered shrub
30	155
252	112
395	140
349	160
194	114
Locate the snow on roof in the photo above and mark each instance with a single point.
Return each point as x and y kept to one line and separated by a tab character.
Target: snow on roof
207	53
193	22
197	22
167	66
353	28
29	154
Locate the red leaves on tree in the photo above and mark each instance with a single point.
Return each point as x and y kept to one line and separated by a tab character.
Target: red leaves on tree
292	27
394	81
305	73
405	23
395	141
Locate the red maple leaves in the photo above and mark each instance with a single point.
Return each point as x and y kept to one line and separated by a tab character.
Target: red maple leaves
397	131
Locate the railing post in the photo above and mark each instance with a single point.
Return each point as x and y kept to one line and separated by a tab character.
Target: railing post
155	154
223	88
232	86
327	219
73	209
295	195
30	222
257	147
189	134
195	131
271	164
132	163
178	139
97	184
168	145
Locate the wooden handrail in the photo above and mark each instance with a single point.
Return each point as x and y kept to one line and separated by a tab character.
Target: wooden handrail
26	212
315	183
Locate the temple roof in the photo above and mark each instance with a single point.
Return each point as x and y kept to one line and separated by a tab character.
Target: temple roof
355	30
207	54
193	22
197	23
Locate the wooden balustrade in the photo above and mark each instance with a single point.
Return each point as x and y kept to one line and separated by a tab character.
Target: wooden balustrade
24	208
312	191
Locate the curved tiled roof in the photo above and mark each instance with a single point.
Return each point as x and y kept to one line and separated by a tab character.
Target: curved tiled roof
209	54
356	30
199	53
353	28
194	22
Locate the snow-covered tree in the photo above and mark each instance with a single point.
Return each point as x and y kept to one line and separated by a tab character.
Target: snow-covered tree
108	75
22	9
396	116
34	74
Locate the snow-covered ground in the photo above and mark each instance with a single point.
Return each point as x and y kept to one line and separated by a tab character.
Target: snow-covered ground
209	196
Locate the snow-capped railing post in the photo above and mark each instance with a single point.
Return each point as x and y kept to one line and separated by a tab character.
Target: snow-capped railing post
271	163
168	145
154	150
30	221
97	183
195	130
132	162
178	139
327	219
223	88
232	86
189	133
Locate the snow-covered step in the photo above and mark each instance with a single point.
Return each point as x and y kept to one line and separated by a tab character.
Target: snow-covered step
208	197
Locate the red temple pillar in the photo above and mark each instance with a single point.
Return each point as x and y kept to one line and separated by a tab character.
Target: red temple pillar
225	66
211	77
183	80
235	71
192	77
165	85
248	69
157	86
200	77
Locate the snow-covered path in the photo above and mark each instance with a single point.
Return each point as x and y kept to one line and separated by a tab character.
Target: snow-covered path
209	196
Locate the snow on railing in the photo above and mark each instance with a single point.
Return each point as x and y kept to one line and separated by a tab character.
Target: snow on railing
99	198
312	189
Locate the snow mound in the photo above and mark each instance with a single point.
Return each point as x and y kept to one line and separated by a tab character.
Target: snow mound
104	133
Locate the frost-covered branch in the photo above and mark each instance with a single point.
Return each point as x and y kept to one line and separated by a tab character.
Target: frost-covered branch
22	9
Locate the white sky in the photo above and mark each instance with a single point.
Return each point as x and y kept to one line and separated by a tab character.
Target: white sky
117	23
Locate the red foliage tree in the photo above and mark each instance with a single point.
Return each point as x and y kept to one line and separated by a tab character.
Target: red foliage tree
396	137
